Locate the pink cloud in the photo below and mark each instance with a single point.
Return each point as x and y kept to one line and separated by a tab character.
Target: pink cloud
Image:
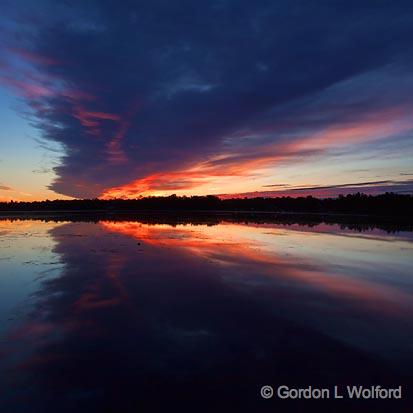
32	57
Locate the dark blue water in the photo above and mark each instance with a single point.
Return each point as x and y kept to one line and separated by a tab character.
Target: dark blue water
134	317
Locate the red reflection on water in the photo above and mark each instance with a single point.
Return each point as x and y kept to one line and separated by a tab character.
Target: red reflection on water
239	246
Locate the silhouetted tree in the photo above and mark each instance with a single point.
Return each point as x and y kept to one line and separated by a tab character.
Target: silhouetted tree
388	204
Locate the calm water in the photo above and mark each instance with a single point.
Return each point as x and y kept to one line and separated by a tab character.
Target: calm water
126	316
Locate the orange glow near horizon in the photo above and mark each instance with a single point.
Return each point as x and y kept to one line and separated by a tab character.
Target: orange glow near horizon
236	172
233	170
42	195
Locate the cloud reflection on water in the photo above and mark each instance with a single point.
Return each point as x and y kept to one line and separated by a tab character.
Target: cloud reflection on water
192	310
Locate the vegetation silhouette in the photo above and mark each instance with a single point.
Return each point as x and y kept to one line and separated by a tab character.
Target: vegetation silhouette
390	205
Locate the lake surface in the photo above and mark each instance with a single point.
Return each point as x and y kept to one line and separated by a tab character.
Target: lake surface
131	315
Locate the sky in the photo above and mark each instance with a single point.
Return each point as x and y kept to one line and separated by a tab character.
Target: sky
134	98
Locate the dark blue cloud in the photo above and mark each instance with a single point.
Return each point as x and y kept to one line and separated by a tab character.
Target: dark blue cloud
152	86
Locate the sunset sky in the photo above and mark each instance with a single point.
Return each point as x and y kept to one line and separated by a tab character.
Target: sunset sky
128	98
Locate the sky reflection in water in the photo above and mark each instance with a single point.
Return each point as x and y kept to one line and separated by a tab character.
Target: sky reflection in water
122	316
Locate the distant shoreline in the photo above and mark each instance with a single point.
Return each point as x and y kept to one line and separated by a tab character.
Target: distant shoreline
196	212
388	211
356	222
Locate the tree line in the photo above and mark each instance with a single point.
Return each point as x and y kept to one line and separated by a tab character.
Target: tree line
388	204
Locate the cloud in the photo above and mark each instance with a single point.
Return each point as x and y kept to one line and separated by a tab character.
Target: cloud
5	188
324	191
170	94
276	185
41	170
352	185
